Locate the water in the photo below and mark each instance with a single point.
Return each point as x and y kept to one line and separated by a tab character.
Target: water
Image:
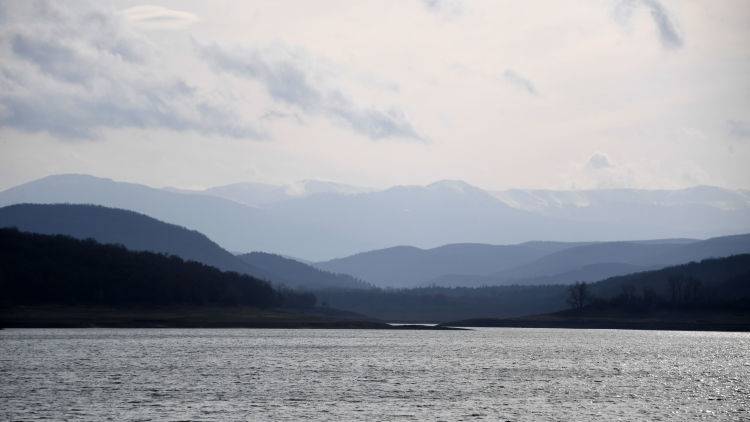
490	374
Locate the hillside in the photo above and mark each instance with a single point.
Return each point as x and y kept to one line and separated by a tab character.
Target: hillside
724	284
587	272
40	269
222	220
531	263
135	231
295	274
721	280
405	266
646	255
713	294
59	281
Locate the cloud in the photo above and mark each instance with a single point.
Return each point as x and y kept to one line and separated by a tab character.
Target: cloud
157	17
739	129
598	161
288	78
73	72
450	7
668	33
519	81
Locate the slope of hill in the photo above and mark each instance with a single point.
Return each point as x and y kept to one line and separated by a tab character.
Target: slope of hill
115	226
59	281
59	270
589	272
406	266
531	263
724	279
298	275
642	254
713	294
222	220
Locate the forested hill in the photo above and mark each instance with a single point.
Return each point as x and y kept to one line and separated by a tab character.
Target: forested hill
299	275
716	281
116	226
721	283
40	269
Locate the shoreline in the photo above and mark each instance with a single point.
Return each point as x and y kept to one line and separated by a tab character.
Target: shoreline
733	321
192	317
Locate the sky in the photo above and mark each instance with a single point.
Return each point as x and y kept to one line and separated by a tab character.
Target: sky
501	94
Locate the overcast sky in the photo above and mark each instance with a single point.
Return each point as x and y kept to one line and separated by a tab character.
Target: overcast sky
501	94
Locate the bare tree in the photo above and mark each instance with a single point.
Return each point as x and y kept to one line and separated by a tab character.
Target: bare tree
628	294
675	288
578	295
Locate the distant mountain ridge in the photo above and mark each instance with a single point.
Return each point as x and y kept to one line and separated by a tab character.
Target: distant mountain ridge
559	263
262	194
407	266
325	220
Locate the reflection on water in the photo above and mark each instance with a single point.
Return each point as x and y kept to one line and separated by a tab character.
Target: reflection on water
505	374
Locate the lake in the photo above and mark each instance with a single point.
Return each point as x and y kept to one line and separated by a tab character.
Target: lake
484	374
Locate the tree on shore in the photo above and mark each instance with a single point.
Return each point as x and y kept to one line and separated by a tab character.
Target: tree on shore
578	295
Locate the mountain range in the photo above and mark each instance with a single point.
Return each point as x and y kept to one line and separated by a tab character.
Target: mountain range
530	263
452	265
318	221
262	194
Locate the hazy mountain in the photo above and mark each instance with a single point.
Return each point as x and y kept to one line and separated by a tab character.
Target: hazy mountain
314	227
552	201
701	211
296	274
330	221
641	254
527	263
404	266
115	226
589	272
262	194
221	220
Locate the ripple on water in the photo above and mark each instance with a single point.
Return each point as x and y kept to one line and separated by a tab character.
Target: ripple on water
487	374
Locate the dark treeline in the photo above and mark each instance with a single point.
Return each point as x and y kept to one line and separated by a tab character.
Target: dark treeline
298	275
720	283
446	303
58	270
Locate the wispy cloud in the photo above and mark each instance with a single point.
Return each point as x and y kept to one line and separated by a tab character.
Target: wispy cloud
599	161
669	36
739	129
288	78
451	7
75	71
519	81
158	17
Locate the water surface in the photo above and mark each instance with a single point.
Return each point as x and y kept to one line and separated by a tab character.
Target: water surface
486	374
